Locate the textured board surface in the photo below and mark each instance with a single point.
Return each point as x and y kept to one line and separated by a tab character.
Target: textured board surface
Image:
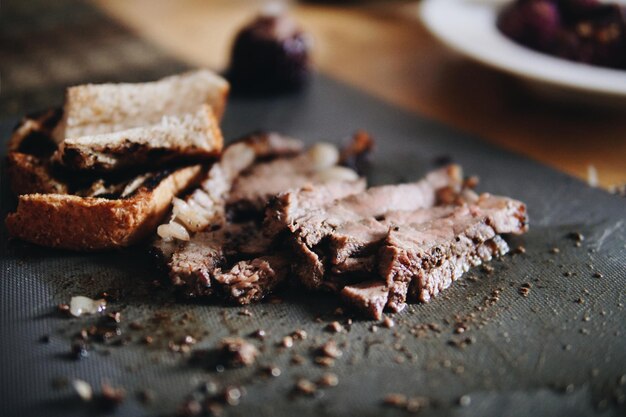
559	351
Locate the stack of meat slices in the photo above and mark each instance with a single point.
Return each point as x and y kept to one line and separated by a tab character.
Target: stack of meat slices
214	243
270	212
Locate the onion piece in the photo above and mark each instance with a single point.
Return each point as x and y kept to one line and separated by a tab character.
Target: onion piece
173	230
336	173
323	155
80	305
83	389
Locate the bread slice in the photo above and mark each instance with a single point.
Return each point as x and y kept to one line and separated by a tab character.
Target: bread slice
30	174
193	136
28	167
96	223
93	109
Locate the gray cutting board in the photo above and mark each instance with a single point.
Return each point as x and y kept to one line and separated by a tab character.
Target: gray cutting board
559	351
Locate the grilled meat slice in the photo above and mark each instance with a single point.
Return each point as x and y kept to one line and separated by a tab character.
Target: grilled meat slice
368	297
313	229
431	255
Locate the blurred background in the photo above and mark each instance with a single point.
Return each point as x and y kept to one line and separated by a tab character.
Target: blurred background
380	47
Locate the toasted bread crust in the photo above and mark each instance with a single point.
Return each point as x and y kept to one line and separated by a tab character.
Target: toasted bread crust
194	137
29	174
91	223
92	109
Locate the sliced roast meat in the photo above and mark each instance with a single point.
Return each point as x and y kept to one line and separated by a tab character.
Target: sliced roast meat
207	204
368	297
428	283
313	229
251	280
192	265
271	144
244	240
286	207
202	265
359	237
225	255
252	190
431	255
362	265
314	225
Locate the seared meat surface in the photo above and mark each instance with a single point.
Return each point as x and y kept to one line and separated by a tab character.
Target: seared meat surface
215	245
270	212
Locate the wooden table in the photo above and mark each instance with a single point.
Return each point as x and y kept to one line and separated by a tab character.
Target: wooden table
383	49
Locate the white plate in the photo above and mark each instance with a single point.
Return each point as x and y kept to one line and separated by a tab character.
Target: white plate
469	27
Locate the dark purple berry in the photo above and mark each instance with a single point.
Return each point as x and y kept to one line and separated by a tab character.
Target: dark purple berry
270	54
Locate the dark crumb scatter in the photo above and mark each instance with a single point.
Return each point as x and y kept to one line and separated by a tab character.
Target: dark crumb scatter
388	322
79	350
524	289
232	395
328	380
463	343
579	300
112	396
44	339
259	334
214	409
287	342
237	352
415	404
334	327
576	236
115	317
434	327
273	371
330	349
306	387
209	388
135	325
190	408
146	396
297	359
324	361
395	400
299	335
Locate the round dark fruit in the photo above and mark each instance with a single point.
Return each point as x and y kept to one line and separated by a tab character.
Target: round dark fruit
270	54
